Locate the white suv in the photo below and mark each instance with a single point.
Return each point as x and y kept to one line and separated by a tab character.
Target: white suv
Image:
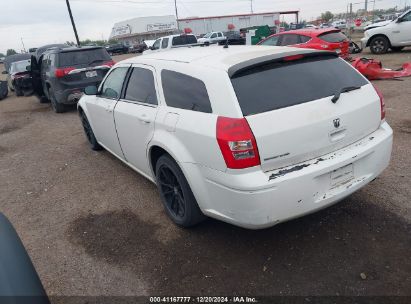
248	135
393	35
173	41
212	37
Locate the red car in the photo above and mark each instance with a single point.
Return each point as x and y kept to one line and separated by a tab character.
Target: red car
313	38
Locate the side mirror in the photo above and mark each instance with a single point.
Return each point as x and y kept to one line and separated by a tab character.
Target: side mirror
90	90
4	72
28	68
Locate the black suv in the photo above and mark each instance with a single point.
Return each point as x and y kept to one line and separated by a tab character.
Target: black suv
60	75
118	48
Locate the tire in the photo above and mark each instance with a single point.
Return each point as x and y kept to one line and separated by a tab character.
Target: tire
176	195
19	92
57	107
379	45
397	48
89	133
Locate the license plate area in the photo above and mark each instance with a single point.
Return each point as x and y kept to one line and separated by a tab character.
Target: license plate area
342	176
91	74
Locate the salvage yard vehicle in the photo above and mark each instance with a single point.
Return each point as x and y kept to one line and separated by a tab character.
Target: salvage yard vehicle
18	78
212	38
117	49
394	35
248	135
61	75
329	39
170	42
233	38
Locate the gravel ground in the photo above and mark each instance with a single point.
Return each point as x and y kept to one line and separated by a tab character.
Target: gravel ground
92	226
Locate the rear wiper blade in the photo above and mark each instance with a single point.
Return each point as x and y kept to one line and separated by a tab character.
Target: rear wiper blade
344	90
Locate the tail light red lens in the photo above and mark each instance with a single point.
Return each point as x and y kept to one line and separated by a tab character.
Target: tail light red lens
382	103
63	72
109	63
237	143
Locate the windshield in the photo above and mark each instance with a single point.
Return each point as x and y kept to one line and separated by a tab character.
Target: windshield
83	57
208	35
19	66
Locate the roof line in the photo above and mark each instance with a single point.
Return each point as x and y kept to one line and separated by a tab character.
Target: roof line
239	15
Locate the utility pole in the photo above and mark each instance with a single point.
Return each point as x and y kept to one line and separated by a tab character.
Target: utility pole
72	23
366	6
24	48
252	10
175	5
349	29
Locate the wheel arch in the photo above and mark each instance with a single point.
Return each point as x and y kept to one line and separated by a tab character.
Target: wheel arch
378	35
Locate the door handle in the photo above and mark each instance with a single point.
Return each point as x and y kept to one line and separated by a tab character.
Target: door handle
144	119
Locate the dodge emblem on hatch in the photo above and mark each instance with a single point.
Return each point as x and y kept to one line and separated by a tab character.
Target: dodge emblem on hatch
337	123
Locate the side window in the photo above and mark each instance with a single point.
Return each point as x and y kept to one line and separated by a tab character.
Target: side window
290	39
45	63
213	36
304	39
111	88
156	44
272	41
164	43
185	92
220	35
52	61
141	87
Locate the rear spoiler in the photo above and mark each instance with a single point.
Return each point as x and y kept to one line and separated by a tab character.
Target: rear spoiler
259	61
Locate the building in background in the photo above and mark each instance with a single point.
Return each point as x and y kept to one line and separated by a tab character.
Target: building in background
202	25
135	31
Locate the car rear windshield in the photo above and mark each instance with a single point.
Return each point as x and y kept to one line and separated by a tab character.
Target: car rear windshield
184	39
284	84
333	37
83	57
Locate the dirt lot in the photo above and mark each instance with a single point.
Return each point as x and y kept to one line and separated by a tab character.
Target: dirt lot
92	226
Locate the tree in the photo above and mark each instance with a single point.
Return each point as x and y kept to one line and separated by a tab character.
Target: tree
11	52
2	55
327	16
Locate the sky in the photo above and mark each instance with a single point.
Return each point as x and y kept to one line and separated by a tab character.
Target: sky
39	22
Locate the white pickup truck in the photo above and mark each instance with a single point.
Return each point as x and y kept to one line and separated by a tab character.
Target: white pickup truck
172	41
212	37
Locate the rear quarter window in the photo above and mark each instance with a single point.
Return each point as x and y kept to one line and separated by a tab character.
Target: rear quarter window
279	85
185	92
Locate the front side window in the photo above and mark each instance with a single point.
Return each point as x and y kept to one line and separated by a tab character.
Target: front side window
156	45
213	35
185	92
272	41
114	82
141	87
407	17
164	43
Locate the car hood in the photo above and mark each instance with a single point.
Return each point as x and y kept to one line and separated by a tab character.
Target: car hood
379	24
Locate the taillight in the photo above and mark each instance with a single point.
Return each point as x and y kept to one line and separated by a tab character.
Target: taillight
63	72
382	103
110	63
237	143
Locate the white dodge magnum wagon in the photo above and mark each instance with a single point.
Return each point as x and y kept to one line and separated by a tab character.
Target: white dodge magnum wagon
248	135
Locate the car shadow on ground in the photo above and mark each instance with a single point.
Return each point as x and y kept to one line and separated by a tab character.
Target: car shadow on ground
343	250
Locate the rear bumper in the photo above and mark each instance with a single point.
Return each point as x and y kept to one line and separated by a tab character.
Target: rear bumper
71	95
257	199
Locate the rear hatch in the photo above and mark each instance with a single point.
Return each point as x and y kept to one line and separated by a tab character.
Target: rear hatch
337	42
83	65
288	106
